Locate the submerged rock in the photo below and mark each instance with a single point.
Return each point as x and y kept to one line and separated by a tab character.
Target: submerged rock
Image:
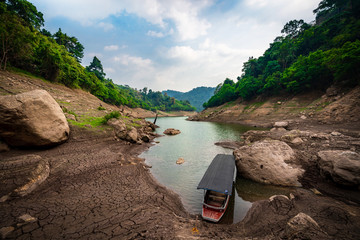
171	131
267	162
32	119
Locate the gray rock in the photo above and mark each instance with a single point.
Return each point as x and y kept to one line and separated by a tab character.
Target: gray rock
32	119
267	162
343	167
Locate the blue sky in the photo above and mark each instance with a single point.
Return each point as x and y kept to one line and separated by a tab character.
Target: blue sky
173	44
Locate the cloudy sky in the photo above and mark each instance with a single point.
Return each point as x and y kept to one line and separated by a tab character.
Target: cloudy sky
173	44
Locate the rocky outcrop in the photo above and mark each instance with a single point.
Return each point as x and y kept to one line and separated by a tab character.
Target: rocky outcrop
343	167
267	162
32	119
171	131
132	134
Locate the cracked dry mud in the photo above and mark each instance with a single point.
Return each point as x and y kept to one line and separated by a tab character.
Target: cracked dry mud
97	189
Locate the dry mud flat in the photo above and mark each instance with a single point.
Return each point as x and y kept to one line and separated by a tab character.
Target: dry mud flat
97	189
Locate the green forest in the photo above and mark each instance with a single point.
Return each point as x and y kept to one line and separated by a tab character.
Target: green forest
196	96
25	45
307	56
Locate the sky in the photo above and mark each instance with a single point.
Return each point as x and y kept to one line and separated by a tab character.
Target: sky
172	44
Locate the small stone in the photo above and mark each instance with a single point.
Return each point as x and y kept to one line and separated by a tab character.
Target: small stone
27	218
4	231
335	134
180	161
283	124
303	117
297	141
314	190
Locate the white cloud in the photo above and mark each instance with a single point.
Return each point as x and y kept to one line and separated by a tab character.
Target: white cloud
109	70
111	48
185	13
155	34
128	60
106	26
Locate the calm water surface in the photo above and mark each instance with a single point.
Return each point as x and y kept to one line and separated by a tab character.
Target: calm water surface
195	144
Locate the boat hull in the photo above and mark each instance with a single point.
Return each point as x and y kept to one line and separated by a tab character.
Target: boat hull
214	214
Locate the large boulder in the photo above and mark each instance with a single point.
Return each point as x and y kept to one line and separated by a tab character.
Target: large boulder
267	162
343	167
32	119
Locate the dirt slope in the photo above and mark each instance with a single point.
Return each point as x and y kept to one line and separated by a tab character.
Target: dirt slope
333	107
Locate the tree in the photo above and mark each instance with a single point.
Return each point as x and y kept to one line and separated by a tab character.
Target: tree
294	27
97	68
14	40
26	11
72	45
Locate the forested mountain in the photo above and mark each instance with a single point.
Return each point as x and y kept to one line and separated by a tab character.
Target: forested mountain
25	45
307	56
197	96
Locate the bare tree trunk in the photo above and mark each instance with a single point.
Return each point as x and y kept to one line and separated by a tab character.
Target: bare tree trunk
155	118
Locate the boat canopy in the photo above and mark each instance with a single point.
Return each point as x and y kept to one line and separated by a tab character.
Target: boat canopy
219	176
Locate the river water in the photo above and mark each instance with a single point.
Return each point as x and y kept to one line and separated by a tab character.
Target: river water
195	144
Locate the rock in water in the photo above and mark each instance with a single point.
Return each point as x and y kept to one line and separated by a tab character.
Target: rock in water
343	167
32	119
180	161
171	131
266	162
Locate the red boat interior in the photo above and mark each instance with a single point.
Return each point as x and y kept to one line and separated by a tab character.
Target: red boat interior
215	199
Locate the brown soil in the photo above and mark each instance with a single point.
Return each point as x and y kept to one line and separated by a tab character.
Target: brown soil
98	188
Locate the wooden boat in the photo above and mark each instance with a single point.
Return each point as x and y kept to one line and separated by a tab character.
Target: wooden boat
217	183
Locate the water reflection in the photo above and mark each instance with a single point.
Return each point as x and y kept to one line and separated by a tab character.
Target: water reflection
252	191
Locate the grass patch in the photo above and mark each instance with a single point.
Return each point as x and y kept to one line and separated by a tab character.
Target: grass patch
90	121
101	108
65	110
254	106
113	114
63	102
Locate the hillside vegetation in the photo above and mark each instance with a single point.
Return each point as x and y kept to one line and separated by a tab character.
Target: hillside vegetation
308	56
196	96
25	45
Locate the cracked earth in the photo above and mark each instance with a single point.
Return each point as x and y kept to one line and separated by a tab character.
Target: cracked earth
97	189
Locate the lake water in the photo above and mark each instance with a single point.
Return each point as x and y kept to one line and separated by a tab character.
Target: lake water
195	144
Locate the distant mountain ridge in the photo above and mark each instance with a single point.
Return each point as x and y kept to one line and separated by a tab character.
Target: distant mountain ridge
196	96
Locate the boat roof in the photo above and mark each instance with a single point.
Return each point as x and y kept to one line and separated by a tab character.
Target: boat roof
219	176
